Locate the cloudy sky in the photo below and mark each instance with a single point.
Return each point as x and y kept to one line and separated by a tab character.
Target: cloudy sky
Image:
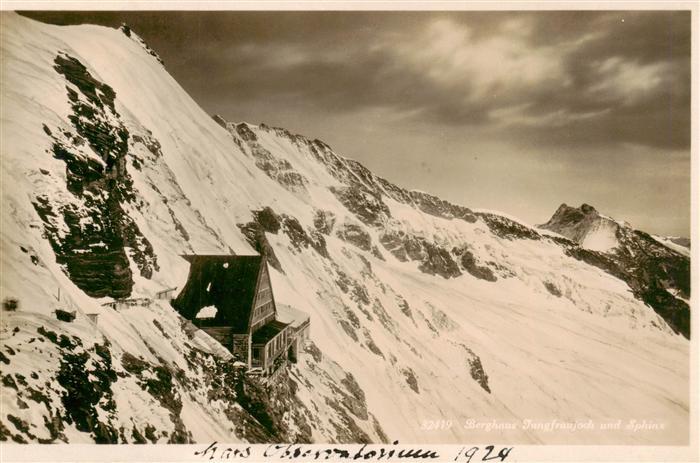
514	111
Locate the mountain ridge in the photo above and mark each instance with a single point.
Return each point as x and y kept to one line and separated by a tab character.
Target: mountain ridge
657	271
108	161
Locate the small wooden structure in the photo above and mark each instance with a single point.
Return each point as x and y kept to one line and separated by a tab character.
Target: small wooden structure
119	304
166	293
230	298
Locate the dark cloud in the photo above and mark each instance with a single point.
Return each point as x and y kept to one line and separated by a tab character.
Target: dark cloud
543	107
352	60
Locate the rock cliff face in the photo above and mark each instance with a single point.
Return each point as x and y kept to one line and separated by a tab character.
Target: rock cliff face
111	171
91	232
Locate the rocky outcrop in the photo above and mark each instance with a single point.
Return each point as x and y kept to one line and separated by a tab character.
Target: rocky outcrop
468	262
95	231
356	235
280	170
266	220
433	259
506	228
367	205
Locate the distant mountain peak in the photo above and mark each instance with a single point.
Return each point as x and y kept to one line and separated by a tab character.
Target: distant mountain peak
573	213
585	226
588	209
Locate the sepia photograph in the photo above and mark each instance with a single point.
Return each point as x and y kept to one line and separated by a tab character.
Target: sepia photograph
347	233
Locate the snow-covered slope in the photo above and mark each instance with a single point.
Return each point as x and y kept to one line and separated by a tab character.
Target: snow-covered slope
676	243
420	309
657	269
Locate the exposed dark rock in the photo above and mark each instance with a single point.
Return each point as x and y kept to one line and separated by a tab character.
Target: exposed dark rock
343	281
434	259
364	190
318	242
220	120
160	383
65	316
314	351
268	220
93	250
354	321
371	345
356	235
324	221
365	204
50	335
347	431
296	233
349	330
394	243
382	315
264	220
9	381
440	208
10	304
359	292
507	228
380	432
411	379
376	253
87	383
438	262
21	425
478	373
405	308
354	397
276	168
374	348
552	288
245	133
261	400
469	264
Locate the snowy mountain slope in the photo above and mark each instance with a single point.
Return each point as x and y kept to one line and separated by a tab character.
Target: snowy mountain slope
676	243
657	269
420	309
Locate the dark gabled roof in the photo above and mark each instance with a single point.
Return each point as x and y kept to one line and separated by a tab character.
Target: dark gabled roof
226	282
268	331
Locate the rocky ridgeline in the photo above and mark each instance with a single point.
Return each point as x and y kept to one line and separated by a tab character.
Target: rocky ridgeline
277	169
649	268
657	275
363	195
126	30
362	192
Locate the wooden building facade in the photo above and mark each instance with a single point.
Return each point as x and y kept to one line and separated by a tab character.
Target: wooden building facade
231	299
